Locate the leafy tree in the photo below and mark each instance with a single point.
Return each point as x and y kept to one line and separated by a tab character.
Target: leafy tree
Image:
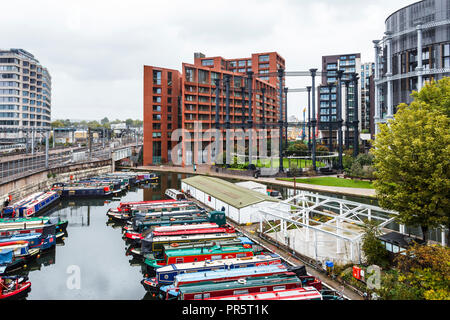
374	251
436	95
412	159
297	148
104	121
57	124
426	269
129	122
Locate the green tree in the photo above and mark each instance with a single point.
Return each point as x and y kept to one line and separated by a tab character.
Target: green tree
104	121
436	95
57	124
374	251
412	159
129	122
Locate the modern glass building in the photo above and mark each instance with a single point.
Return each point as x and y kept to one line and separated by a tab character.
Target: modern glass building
25	96
415	48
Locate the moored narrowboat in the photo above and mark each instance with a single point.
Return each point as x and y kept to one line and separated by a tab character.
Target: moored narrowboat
211	289
214	252
14	287
32	205
166	275
43	241
303	293
74	190
175	194
9	227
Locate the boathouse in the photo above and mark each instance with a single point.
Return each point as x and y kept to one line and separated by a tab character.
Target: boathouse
241	204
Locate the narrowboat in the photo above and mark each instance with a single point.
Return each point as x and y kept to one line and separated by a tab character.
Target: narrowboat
240	286
10	227
15	254
74	190
124	175
183	255
117	185
14	287
303	293
154	212
166	275
175	194
179	230
143	177
156	247
225	276
141	225
32	205
43	241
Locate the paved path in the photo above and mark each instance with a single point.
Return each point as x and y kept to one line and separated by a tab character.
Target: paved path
206	170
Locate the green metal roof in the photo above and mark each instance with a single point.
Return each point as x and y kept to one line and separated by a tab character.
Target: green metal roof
234	195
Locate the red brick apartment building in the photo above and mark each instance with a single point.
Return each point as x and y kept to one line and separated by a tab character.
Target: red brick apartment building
176	100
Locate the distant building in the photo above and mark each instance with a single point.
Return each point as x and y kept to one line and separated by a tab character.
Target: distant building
25	95
327	98
176	100
415	48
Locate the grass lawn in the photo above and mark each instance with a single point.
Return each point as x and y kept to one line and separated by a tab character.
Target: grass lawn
301	163
334	182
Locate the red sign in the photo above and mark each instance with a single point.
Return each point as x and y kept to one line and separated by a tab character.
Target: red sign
356	272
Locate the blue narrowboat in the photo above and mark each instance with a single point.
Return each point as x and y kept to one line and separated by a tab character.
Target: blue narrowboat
31	205
43	241
165	275
83	189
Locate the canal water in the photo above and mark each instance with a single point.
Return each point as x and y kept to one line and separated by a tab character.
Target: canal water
91	262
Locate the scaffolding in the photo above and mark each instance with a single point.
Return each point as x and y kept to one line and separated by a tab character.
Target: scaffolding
320	227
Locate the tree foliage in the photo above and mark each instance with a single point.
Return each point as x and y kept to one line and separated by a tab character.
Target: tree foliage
412	160
374	251
423	273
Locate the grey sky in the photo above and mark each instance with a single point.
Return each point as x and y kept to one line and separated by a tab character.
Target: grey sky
95	50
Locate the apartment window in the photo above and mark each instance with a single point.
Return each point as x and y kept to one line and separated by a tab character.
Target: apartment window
156	134
157	99
446	55
203	76
237	82
156	90
208	62
241	70
169	91
190	75
241	63
214	75
169	100
169	79
157	117
264	58
264	65
156	77
157	108
249	63
232	63
157	126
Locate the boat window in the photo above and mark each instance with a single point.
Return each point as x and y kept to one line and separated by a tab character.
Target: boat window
179	260
198	296
235	292
216	257
240	255
263	289
206	295
277	288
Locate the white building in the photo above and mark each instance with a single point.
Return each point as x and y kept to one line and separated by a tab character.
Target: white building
25	96
241	204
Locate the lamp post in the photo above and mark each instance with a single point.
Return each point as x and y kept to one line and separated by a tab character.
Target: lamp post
330	120
339	115
313	122
309	118
355	116
347	116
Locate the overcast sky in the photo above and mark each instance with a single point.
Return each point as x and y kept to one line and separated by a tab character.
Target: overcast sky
95	50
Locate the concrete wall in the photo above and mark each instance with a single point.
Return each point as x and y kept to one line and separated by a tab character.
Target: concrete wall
40	181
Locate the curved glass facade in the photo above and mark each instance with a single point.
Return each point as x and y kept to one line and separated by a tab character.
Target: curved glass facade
415	48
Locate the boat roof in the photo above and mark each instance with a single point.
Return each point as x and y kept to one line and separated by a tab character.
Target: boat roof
276	279
220	273
216	249
218	263
230	193
303	293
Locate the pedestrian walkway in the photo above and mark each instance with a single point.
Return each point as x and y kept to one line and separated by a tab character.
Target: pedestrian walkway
206	170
